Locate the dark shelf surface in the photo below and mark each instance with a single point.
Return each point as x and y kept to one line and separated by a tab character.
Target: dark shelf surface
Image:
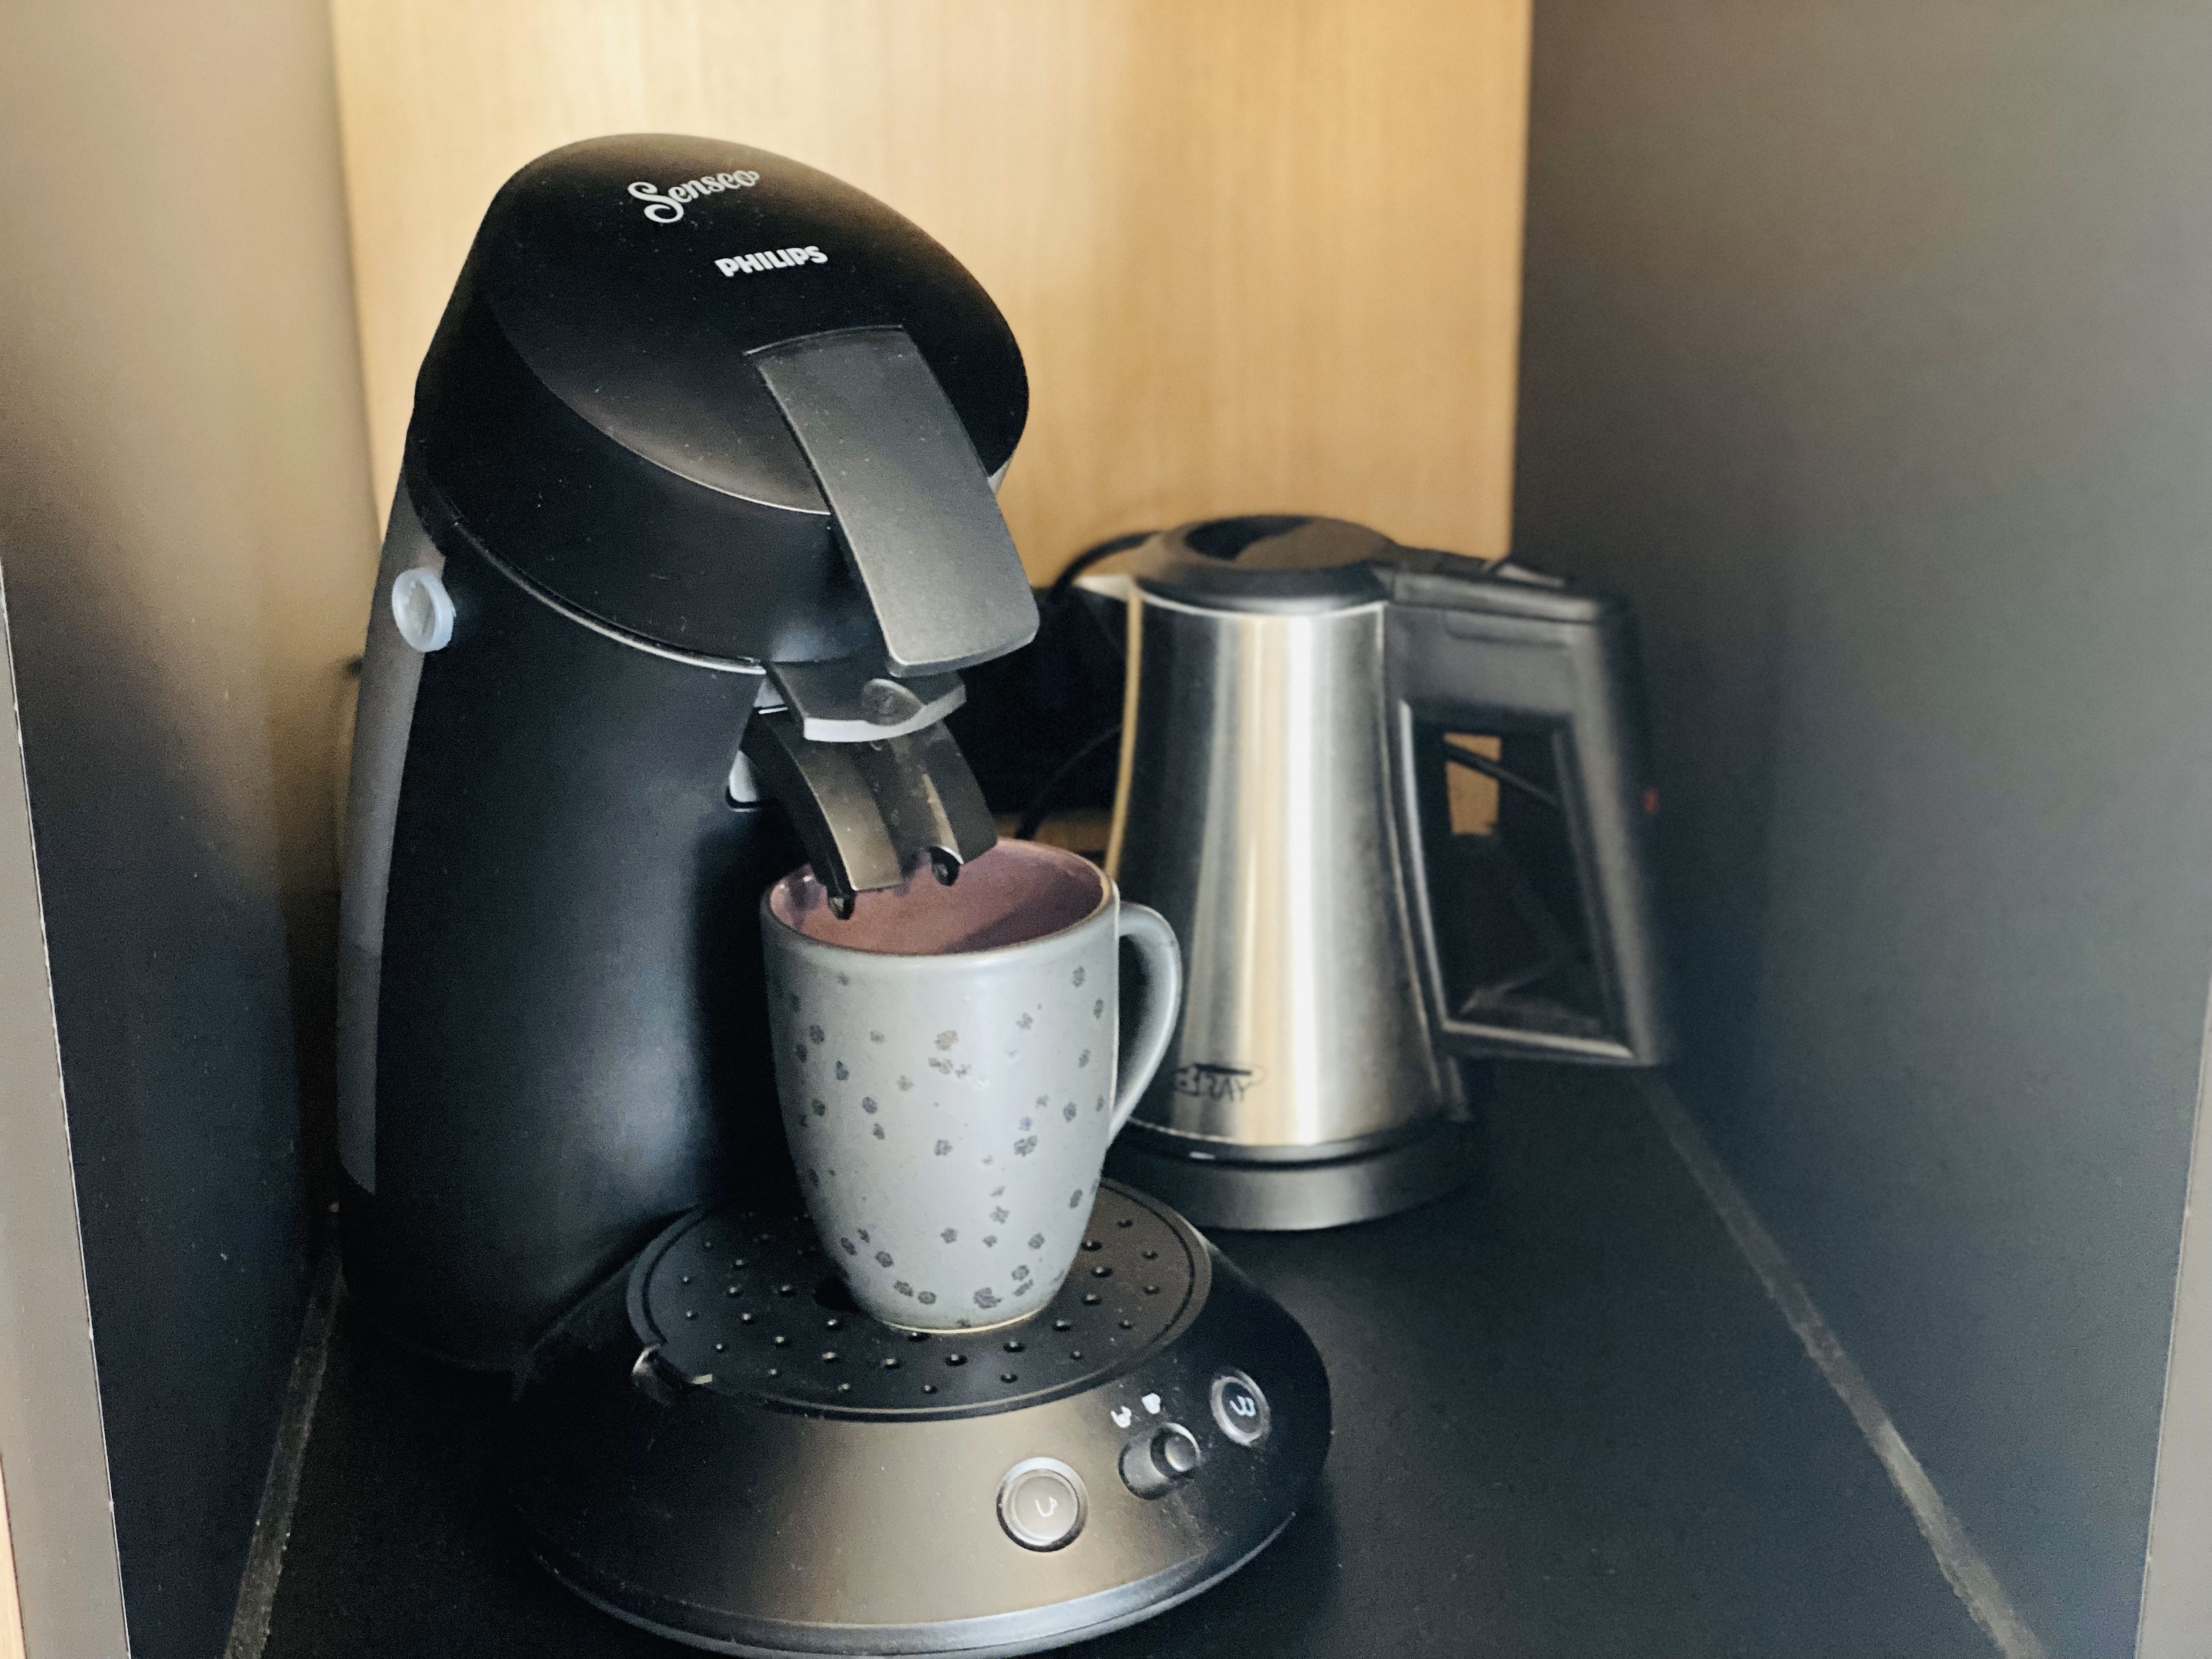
1569	1423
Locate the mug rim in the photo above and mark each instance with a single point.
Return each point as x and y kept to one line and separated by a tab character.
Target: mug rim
1106	895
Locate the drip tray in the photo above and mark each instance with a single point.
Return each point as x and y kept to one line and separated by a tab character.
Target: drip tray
746	1302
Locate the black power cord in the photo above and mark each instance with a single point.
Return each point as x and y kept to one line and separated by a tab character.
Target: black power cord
1490	769
1039	806
1056	598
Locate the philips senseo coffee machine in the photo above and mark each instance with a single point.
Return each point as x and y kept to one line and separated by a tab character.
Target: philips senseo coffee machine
695	528
702	454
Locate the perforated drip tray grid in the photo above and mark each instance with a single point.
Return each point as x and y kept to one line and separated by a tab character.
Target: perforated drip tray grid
744	1302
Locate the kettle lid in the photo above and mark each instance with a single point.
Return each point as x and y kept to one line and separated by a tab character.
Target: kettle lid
1282	564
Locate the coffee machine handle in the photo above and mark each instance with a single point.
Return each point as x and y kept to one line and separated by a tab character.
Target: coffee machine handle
1490	650
915	510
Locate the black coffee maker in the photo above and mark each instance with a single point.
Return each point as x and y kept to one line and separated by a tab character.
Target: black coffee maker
707	460
695	527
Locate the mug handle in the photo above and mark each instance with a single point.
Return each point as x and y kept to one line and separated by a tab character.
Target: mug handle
1145	1047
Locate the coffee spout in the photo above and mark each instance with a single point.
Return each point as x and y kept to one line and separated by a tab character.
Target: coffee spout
870	814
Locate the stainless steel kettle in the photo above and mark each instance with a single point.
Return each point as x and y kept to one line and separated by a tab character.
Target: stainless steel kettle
1395	803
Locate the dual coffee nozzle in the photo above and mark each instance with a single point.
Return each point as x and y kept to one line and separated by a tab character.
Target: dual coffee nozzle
872	781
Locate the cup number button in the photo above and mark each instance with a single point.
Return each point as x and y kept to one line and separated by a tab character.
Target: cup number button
1040	1504
1158	1459
1240	1408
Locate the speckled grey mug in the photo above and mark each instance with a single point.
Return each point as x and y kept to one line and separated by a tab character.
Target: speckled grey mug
947	1060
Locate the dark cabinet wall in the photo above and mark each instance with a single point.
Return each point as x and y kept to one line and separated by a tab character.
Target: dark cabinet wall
1869	346
187	538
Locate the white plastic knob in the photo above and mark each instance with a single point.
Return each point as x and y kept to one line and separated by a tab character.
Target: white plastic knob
424	610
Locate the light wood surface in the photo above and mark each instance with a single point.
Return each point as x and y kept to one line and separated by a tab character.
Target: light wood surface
1261	254
11	1611
1470	797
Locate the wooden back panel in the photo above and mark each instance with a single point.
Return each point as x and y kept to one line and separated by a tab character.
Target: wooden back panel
1261	254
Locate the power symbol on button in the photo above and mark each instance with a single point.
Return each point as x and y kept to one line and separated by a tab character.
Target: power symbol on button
1040	1504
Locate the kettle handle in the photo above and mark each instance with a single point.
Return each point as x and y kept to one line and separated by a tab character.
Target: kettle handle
1520	659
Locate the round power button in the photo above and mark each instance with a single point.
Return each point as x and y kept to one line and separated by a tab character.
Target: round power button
1040	1504
1240	1408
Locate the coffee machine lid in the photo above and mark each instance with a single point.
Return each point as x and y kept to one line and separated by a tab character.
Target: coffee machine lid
1286	563
596	410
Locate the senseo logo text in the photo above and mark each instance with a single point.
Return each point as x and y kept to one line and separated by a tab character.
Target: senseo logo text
665	207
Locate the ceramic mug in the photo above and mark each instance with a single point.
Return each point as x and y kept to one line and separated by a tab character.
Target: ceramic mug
952	1067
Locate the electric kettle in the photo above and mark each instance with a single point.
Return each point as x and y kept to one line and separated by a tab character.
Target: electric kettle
1395	803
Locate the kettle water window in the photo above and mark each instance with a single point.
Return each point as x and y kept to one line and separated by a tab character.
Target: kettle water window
1513	943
